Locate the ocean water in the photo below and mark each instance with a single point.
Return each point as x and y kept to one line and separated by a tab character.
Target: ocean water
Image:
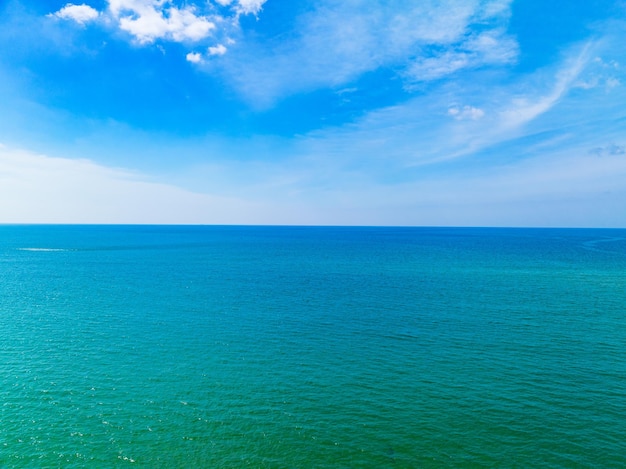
303	347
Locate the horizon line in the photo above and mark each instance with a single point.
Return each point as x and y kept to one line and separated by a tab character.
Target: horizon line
281	225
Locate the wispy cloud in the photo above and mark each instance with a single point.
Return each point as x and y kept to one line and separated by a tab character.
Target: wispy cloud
524	109
466	112
465	119
612	82
600	73
477	50
338	41
611	149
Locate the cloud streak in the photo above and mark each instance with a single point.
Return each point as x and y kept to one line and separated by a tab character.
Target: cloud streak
524	109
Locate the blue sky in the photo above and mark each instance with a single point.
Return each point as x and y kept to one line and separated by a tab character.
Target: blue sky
357	112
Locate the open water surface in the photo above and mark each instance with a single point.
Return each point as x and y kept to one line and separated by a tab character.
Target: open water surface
311	347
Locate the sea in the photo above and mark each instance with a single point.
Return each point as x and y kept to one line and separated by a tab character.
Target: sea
312	347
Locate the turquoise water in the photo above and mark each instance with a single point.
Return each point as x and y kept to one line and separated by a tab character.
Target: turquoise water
290	347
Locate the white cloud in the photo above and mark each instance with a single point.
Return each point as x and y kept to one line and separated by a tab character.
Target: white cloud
198	58
246	7
147	21
220	49
194	57
330	44
80	13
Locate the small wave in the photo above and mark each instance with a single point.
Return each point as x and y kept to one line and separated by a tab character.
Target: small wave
593	242
42	249
592	245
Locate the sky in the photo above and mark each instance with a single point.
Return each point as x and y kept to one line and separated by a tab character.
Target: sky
326	112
